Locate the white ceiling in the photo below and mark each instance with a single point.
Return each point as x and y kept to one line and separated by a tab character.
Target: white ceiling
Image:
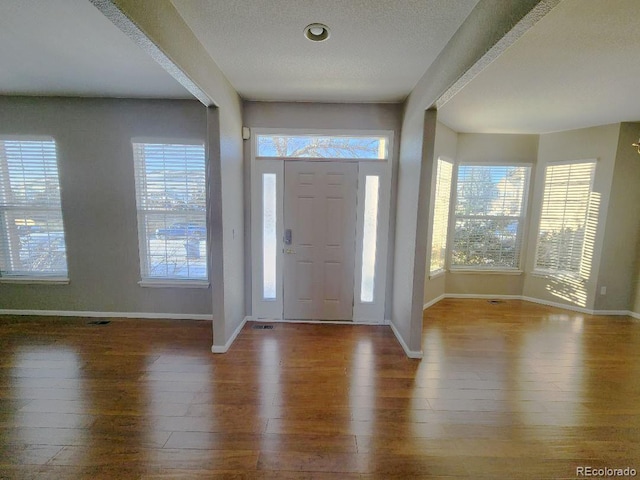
577	67
67	47
377	51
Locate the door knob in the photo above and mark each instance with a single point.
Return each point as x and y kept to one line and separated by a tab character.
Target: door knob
289	250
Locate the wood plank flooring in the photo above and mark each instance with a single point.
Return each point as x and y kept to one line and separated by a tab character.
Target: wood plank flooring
509	390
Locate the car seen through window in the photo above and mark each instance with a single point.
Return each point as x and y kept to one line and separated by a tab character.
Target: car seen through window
191	230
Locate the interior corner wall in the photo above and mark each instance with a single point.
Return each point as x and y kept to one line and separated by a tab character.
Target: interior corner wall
621	242
158	28
412	214
232	198
214	219
445	147
95	158
599	143
320	116
494	149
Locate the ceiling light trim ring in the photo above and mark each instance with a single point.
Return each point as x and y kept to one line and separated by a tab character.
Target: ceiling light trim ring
316	32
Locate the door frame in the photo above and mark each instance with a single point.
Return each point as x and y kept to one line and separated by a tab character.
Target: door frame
363	312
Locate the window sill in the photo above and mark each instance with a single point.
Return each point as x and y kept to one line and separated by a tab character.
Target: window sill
35	280
485	272
437	273
174	283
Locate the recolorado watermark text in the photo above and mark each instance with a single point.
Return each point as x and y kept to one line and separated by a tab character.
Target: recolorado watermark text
605	472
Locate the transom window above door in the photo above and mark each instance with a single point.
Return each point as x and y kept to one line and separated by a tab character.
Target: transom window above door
322	146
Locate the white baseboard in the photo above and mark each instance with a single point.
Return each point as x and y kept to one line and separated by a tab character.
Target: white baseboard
483	296
83	313
573	308
613	313
410	353
433	302
224	348
369	322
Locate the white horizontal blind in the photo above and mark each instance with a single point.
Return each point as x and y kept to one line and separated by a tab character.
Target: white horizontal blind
444	177
171	199
563	220
32	242
489	216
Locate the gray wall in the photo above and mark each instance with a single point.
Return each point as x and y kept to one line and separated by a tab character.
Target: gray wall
226	125
446	145
599	143
414	175
621	242
321	116
93	138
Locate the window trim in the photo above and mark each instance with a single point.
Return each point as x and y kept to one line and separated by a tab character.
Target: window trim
168	282
521	234
443	270
43	280
546	273
32	277
480	271
164	283
437	273
293	132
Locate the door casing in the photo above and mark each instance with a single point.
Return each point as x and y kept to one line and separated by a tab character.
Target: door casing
372	312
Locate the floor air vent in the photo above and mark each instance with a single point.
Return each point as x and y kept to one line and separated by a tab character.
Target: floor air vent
100	322
262	327
495	302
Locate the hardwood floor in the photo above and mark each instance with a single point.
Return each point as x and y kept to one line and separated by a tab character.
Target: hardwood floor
508	390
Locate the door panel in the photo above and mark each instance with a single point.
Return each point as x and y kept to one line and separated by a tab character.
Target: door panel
320	210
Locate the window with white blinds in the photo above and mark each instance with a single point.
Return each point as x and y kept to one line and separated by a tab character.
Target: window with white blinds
489	216
171	200
32	242
563	219
444	177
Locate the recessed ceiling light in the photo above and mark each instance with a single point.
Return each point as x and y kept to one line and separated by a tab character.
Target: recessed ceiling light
316	32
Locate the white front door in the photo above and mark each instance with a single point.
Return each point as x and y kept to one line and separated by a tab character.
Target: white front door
319	251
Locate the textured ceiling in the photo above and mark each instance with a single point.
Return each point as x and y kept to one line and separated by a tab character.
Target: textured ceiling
67	47
377	51
577	67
